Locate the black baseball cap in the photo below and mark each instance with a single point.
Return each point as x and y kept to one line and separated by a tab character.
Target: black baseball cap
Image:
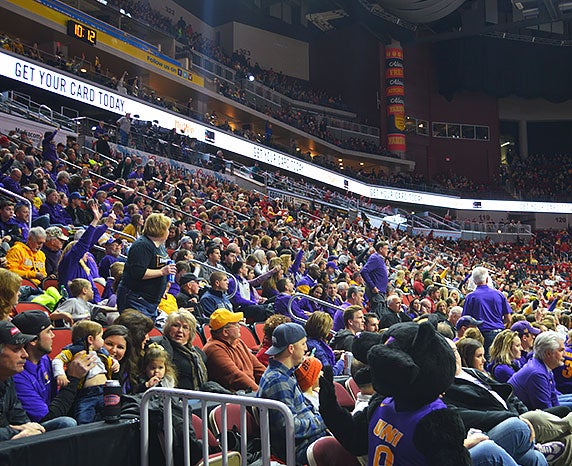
32	322
11	335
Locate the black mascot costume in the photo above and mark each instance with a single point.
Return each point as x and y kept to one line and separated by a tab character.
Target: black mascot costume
406	423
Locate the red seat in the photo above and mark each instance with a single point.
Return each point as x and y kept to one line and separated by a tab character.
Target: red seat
352	387
23	307
233	419
100	287
344	398
198	427
327	451
62	337
259	331
206	331
198	341
247	337
26	282
47	282
407	299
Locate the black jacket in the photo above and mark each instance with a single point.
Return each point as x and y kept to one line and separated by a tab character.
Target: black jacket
477	406
11	411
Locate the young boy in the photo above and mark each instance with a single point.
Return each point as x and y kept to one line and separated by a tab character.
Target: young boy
86	335
308	374
79	306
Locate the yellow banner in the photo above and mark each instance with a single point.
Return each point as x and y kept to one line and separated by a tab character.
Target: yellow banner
160	64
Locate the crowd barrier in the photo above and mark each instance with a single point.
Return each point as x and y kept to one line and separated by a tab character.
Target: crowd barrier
168	397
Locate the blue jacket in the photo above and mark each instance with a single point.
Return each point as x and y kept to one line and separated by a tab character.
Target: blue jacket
213	300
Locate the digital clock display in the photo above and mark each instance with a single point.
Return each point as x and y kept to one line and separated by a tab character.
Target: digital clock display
81	32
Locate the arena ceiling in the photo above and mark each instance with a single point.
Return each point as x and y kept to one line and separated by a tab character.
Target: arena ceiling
544	21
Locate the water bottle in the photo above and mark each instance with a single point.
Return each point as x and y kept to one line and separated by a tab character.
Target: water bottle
64	292
111	401
348	360
171	275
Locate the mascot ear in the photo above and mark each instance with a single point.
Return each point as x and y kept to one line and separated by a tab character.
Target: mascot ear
362	344
392	370
424	338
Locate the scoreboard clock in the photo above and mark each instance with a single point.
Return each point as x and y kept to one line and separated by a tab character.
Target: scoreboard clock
82	32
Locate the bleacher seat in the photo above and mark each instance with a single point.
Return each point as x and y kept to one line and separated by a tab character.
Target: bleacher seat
327	451
206	331
198	426
62	338
352	387
47	282
23	307
344	398
259	331
198	341
233	419
247	337
26	282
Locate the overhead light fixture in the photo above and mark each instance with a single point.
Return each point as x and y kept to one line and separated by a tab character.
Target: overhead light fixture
530	13
504	144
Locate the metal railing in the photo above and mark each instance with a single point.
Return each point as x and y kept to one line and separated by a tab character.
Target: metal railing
168	396
21	199
296	296
214	269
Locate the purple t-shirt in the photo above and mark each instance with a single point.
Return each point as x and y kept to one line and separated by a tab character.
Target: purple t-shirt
391	434
563	374
488	305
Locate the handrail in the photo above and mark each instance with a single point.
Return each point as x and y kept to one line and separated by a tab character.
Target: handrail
111	159
215	269
149	198
119	232
236	212
23	199
97	247
309	298
50	110
168	395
